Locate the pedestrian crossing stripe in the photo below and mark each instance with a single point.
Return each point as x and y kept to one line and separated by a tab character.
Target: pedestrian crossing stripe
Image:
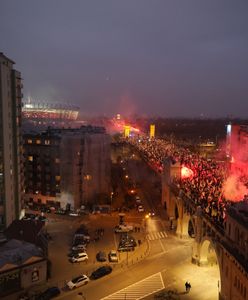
140	289
157	235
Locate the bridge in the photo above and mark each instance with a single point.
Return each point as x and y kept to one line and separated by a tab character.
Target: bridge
225	245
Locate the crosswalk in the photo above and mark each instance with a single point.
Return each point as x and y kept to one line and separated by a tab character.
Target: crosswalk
140	289
156	235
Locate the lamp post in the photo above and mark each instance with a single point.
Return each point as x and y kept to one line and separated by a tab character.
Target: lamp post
111	199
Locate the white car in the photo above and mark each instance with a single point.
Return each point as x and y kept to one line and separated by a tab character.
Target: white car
74	214
140	208
81	256
123	228
113	257
78	281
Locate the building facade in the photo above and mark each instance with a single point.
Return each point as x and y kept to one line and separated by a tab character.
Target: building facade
235	259
22	265
67	166
11	176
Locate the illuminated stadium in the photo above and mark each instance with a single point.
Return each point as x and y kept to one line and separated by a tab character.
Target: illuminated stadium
49	111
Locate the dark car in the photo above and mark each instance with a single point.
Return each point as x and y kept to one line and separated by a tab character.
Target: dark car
100	272
101	256
49	294
125	247
60	211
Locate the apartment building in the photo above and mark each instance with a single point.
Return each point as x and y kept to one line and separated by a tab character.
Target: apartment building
11	176
67	166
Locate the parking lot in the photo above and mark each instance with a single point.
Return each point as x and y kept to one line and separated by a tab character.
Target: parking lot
61	228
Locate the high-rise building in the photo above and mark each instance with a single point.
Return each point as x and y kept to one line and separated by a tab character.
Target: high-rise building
11	180
67	166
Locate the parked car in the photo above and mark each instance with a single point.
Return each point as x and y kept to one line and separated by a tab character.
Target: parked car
123	228
48	294
140	208
81	256
101	256
138	200
74	214
127	238
113	257
125	247
79	247
60	211
100	272
77	282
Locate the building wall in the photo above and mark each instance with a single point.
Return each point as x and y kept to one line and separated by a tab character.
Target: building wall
96	167
34	274
82	171
23	277
234	280
42	168
85	168
11	188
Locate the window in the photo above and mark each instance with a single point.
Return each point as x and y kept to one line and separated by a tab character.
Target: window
47	142
57	178
30	158
57	160
38	142
87	177
30	141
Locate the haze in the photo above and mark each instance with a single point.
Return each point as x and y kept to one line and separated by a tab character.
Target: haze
162	58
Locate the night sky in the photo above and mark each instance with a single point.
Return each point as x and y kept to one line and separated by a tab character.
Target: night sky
156	58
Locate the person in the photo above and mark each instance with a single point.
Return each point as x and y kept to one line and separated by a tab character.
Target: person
187	286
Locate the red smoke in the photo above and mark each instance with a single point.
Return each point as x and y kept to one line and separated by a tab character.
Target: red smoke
235	186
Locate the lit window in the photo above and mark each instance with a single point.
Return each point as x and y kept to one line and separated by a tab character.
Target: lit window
38	142
47	142
30	141
57	160
87	177
57	178
30	158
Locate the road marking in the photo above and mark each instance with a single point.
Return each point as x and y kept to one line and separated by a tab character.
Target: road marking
140	289
156	235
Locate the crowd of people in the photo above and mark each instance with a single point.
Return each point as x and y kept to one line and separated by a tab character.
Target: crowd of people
204	186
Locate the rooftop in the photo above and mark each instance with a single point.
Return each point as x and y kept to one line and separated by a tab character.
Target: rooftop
14	253
239	212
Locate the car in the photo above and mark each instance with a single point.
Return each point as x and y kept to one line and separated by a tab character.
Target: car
79	247
125	247
101	256
100	272
74	214
140	208
81	256
127	238
77	282
138	200
123	228
49	293
60	211
151	213
113	257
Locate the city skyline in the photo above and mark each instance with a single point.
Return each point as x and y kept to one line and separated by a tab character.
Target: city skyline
169	59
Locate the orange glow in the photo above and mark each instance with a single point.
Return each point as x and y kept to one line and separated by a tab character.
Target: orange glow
186	172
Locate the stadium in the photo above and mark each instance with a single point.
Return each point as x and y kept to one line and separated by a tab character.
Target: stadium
49	111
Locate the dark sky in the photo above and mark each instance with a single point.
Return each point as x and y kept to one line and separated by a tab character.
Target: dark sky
164	58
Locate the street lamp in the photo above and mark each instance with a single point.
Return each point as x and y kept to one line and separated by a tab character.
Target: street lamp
111	198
